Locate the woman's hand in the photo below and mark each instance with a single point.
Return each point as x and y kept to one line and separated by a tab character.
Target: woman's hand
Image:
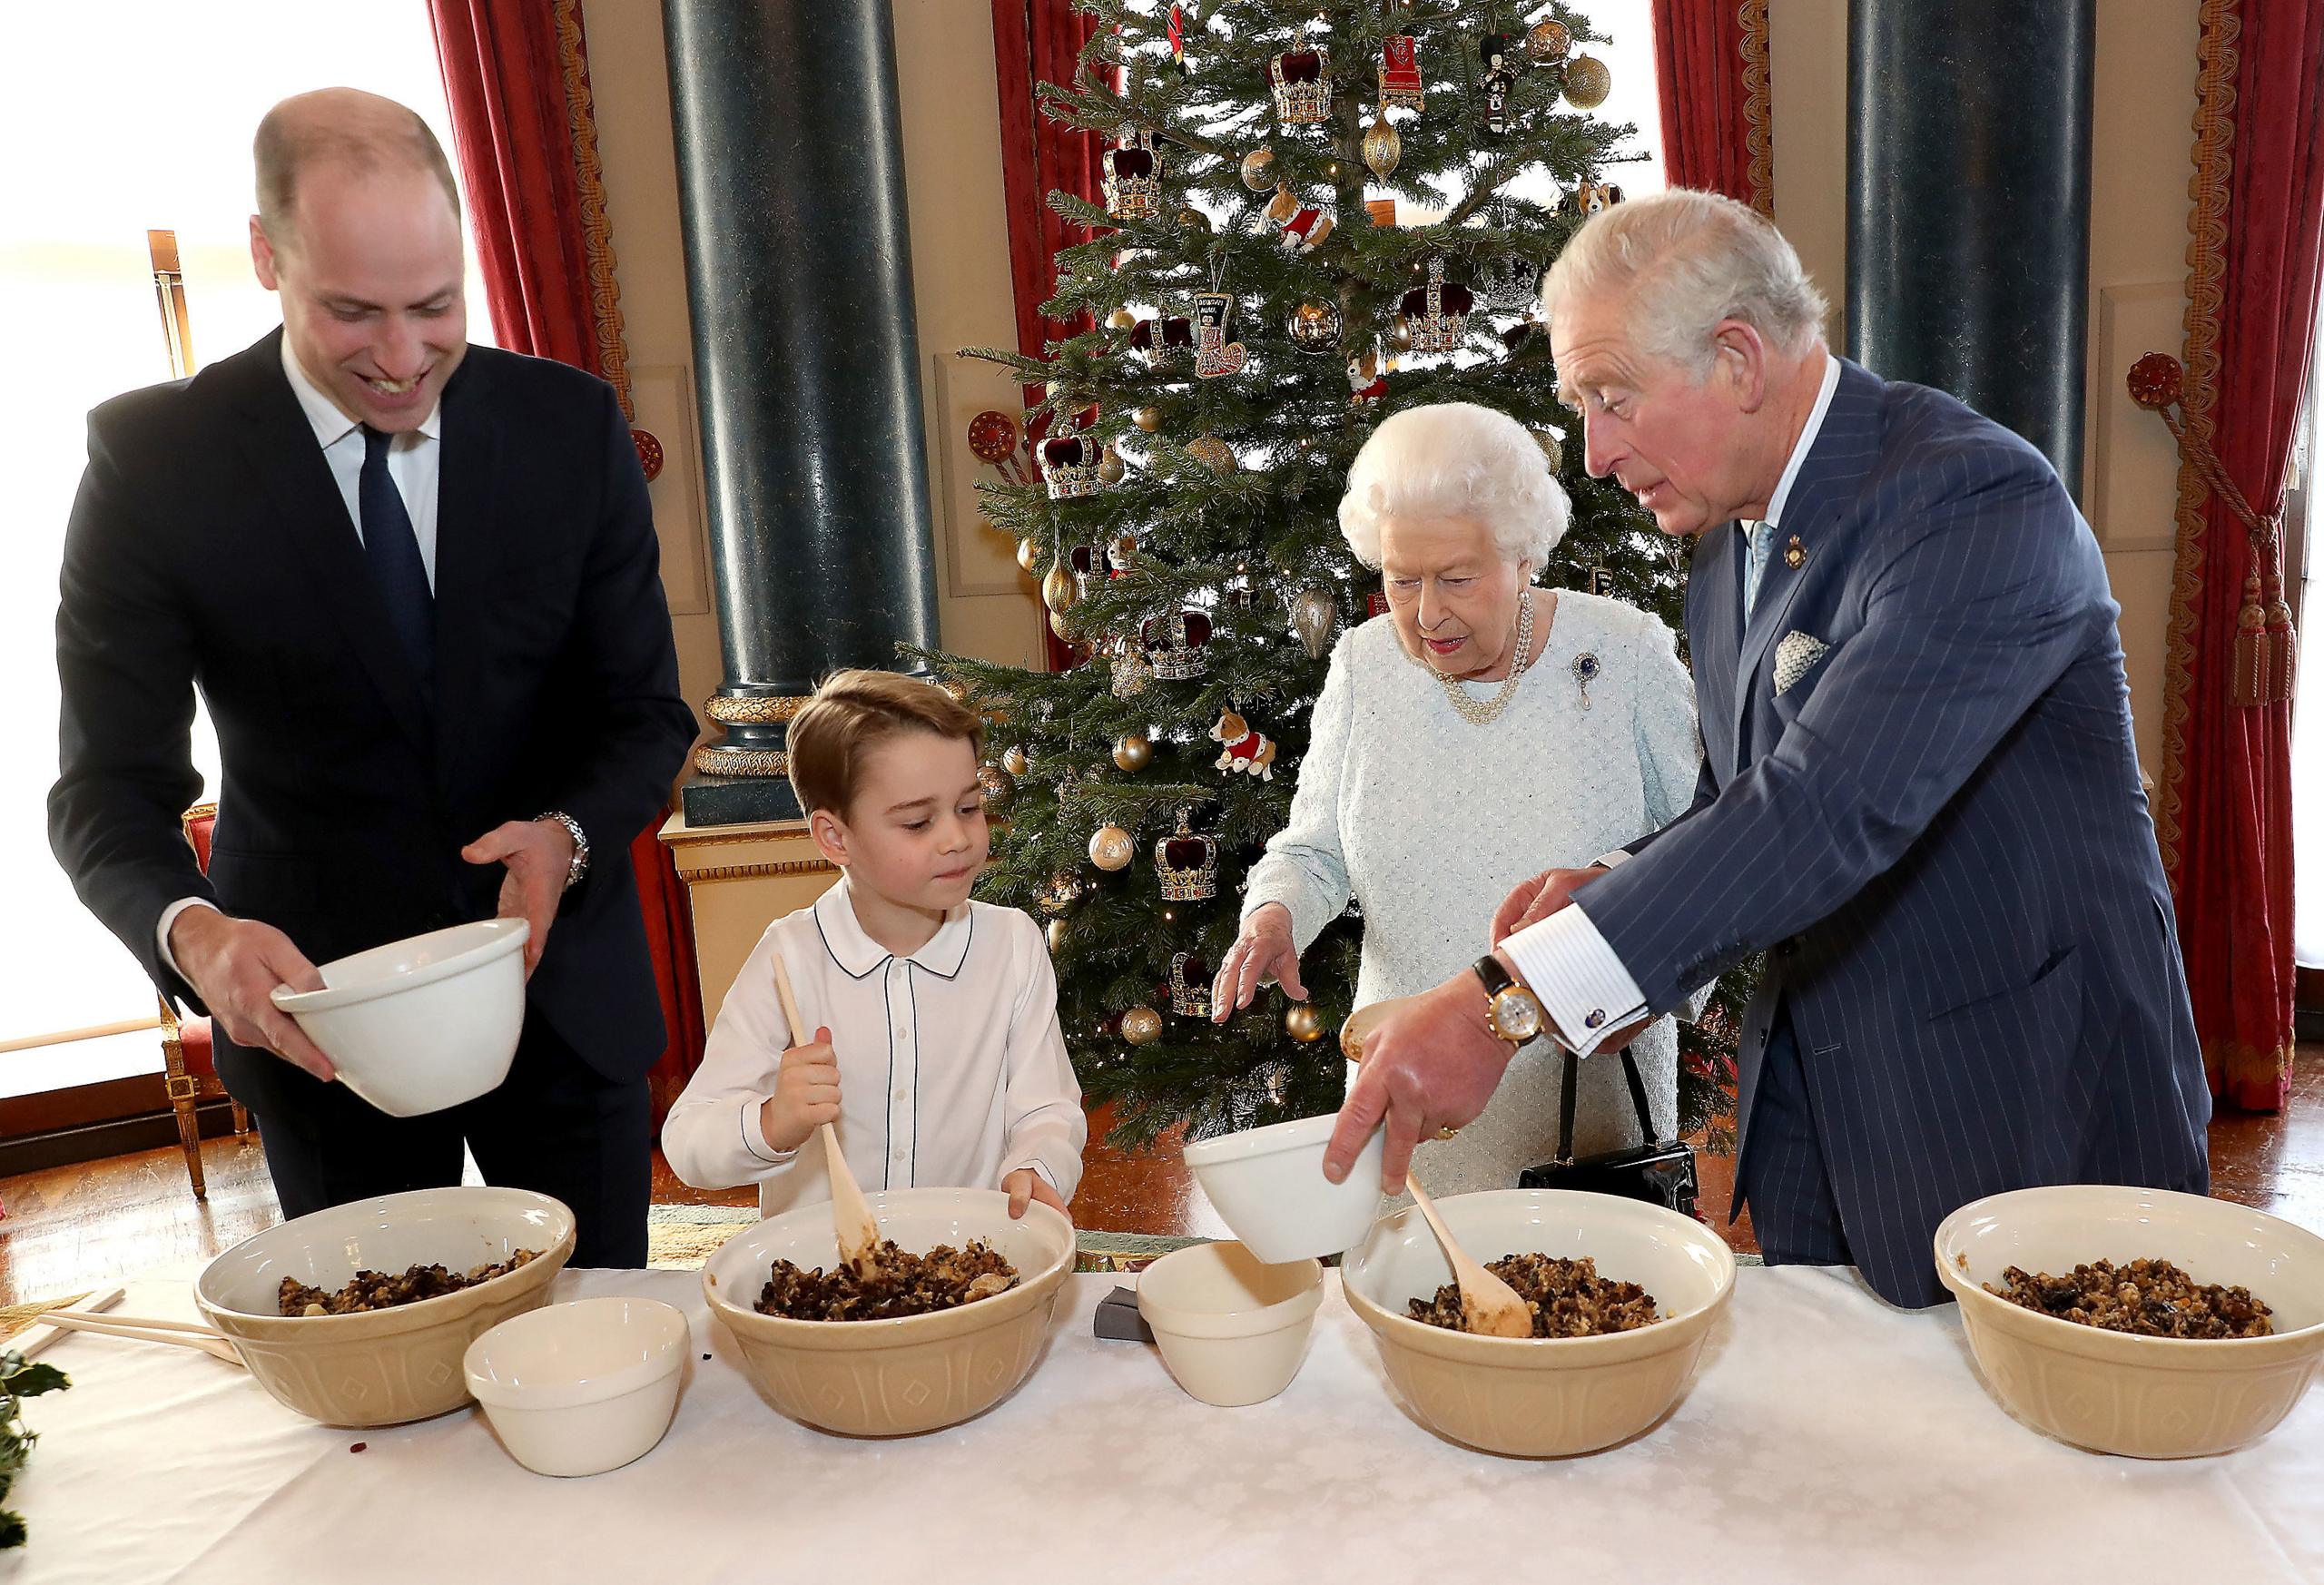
1262	954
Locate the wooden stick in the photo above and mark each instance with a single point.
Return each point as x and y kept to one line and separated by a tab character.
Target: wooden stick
852	1223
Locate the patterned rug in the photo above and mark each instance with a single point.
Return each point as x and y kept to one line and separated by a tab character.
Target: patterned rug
682	1238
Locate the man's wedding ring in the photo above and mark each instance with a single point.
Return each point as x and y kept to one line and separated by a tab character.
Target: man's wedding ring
1443	1134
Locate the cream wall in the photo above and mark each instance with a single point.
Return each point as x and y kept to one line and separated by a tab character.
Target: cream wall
951	126
2144	109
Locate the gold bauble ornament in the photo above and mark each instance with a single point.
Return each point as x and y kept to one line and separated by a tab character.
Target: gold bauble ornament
1382	149
1303	1022
1548	441
956	688
1060	625
1109	465
1548	43
1133	751
1016	762
1029	554
1587	83
1055	388
1060	589
1121	318
1258	168
1141	1026
1111	848
1058	932
997	785
1214	454
1400	338
1149	418
1191	219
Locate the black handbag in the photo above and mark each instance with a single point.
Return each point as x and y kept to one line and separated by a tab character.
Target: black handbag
1660	1172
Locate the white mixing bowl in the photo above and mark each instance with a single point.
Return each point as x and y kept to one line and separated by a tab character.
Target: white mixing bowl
1269	1187
421	1024
1232	1331
584	1387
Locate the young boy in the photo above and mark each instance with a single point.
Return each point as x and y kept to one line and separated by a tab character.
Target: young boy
935	1051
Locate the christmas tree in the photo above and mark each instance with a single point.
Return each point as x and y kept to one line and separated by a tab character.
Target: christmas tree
1257	310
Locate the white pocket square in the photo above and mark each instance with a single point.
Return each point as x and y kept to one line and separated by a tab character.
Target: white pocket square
1796	655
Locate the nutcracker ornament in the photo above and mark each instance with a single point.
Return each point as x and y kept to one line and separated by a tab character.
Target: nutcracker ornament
1499	82
1243	748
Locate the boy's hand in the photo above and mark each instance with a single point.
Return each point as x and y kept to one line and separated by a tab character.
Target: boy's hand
1025	1185
806	1094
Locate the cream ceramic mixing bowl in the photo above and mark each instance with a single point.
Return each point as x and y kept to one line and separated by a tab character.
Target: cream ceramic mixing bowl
584	1387
2113	1391
1539	1397
915	1372
1232	1330
1269	1188
381	1367
421	1024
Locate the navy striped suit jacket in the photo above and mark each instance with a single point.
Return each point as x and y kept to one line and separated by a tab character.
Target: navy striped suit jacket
1937	833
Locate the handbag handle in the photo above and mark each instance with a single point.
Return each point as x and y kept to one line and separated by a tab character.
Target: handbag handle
1566	1087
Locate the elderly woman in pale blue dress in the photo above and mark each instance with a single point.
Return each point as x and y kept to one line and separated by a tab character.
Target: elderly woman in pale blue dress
1479	731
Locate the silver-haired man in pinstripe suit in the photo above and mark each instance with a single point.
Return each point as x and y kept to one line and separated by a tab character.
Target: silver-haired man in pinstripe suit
1919	792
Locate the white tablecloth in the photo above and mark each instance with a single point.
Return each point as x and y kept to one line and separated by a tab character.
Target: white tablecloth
1825	1437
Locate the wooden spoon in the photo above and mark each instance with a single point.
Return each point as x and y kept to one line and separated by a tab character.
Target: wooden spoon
177	1333
857	1230
1489	1307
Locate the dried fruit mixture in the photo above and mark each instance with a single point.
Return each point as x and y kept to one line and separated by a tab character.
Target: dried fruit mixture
1568	1298
899	1283
2149	1298
379	1289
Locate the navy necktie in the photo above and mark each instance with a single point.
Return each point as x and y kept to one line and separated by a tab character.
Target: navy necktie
393	551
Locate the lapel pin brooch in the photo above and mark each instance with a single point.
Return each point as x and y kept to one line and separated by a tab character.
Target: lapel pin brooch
1794	554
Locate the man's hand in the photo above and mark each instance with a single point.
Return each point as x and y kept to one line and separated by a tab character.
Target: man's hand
232	964
1025	1185
806	1094
538	853
1263	952
1431	1064
1531	901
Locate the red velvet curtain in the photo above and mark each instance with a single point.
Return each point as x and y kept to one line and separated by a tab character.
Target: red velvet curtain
1711	68
1035	42
517	80
2226	819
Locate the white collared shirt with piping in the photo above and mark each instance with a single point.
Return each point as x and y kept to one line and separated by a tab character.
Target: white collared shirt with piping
415	461
951	1065
1582	987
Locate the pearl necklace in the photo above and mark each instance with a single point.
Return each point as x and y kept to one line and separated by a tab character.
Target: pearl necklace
1483	712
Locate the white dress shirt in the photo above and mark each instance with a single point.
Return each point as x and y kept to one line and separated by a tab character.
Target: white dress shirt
1581	984
952	1066
414	461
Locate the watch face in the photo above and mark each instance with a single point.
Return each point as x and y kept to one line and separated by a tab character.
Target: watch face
1516	1015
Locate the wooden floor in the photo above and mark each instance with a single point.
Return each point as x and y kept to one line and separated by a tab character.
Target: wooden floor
70	1228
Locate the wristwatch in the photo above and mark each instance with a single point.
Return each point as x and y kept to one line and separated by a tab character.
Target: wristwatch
1512	1013
580	865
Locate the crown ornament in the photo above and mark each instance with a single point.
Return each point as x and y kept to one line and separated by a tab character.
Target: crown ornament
1173	645
1438	314
1132	178
1302	84
1187	862
1190	986
1069	464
